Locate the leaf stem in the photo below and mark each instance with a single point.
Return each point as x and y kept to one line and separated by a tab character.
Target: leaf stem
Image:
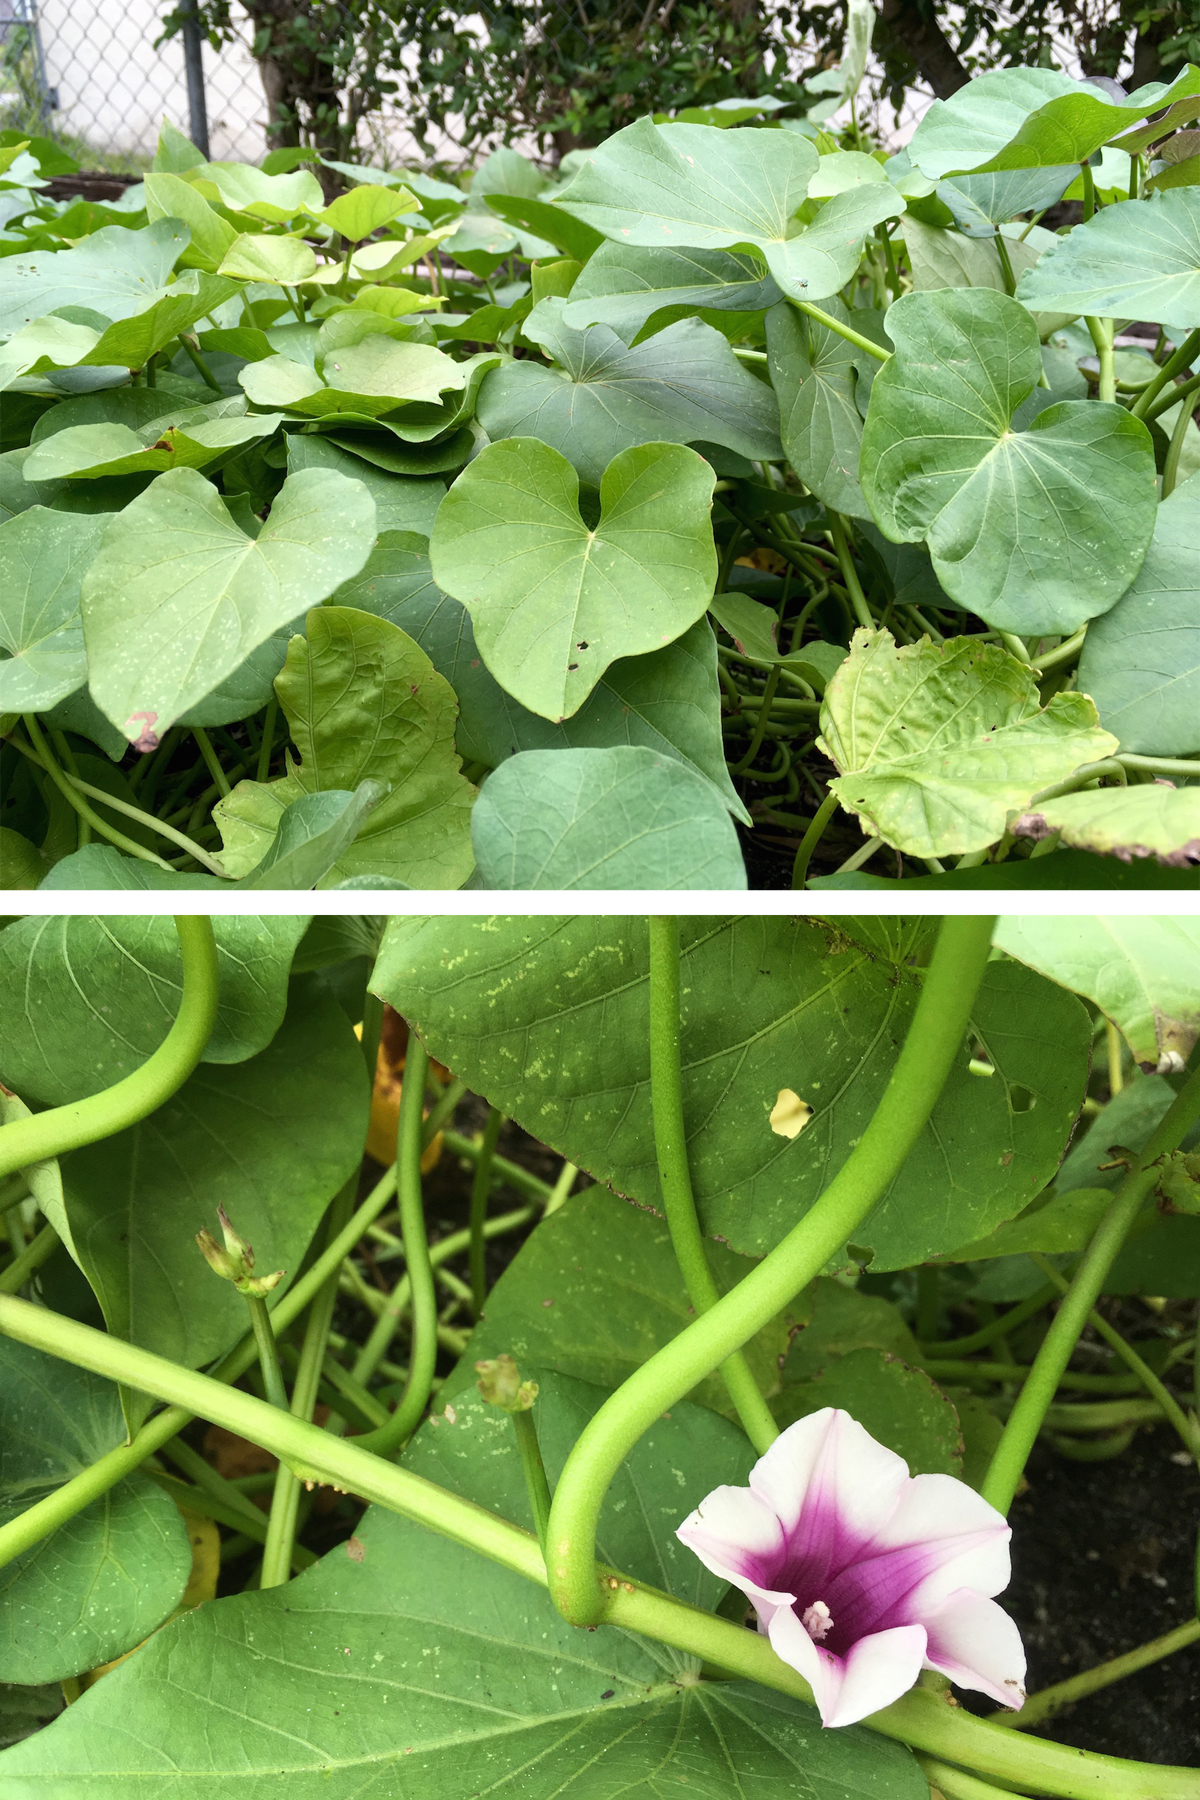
268	1353
812	838
64	1128
268	739
75	800
934	1039
423	1358
211	760
1102	336
534	1471
858	600
1160	765
1188	1432
1181	358
1057	1347
45	1516
1170	472
199	363
29	1260
1044	1705
1165	402
481	1187
670	1144
844	331
285	1500
998	1327
921	1718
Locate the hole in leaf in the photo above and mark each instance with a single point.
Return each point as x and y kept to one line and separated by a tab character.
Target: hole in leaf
790	1114
1021	1099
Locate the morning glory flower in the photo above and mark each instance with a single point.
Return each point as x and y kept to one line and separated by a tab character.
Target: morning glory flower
861	1574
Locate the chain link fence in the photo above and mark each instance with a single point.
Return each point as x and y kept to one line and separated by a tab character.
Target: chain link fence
408	84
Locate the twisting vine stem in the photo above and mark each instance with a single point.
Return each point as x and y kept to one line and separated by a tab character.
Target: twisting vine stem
64	1128
1055	1351
934	1038
670	1143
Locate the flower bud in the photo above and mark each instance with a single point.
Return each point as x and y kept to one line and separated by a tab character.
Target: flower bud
501	1385
236	1261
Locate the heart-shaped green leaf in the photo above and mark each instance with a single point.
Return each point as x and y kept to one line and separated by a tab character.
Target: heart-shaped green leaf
1140	260
245	189
623	286
497	1689
365	705
254	256
109	1577
620	818
553	602
668	700
693	186
170	197
682	386
373	378
84	1001
1036	530
936	745
114	272
43	558
816	374
400	504
1141	661
618	1297
179	596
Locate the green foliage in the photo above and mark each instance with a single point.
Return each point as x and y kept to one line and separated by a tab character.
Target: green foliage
725	356
745	1039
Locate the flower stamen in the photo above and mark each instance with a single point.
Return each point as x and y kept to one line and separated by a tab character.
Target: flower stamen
817	1621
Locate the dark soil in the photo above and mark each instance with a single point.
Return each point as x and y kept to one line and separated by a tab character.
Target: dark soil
1103	1560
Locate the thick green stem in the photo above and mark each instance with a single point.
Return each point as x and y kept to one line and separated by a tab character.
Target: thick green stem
285	1501
481	1187
64	1128
858	600
423	1360
29	1260
921	1718
1058	1345
1051	1700
670	1143
45	1516
843	331
1181	358
934	1039
956	1784
812	838
1102	337
211	760
1170	472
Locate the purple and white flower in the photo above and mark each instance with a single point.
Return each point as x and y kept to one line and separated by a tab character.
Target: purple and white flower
861	1574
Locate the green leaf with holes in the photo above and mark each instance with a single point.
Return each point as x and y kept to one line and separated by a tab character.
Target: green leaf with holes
553	602
769	1004
937	745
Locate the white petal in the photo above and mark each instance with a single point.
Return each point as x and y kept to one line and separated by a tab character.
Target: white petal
831	1460
877	1671
792	1645
966	1539
976	1644
738	1537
